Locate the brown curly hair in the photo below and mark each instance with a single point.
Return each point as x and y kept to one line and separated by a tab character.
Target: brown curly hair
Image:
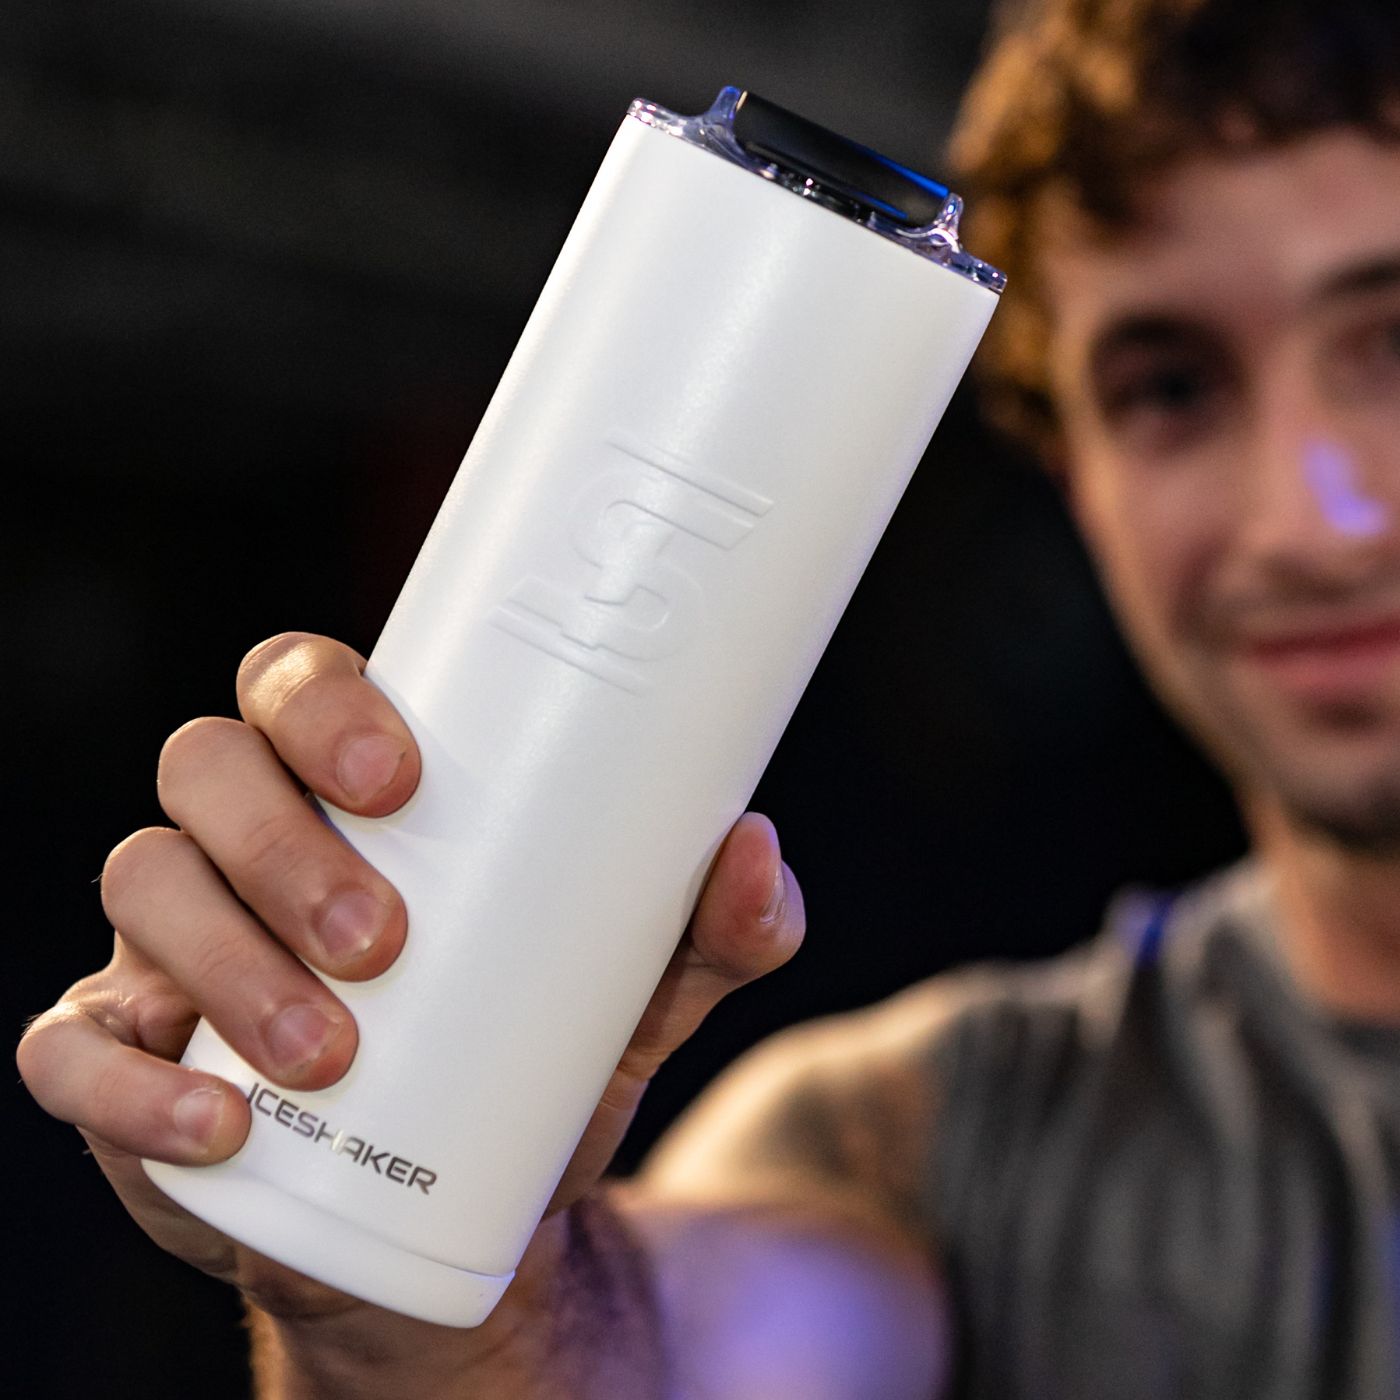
1085	99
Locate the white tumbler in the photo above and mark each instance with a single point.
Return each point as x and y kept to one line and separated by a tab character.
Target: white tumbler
733	369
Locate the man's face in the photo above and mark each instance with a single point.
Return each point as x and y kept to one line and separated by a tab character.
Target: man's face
1228	373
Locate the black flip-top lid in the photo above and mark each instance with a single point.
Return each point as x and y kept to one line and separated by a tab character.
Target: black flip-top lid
846	168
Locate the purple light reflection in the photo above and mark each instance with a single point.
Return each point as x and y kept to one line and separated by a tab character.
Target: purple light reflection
1330	472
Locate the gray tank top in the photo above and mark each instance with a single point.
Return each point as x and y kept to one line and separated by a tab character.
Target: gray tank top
1159	1172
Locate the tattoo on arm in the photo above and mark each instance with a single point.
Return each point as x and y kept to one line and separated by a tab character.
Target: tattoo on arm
607	1322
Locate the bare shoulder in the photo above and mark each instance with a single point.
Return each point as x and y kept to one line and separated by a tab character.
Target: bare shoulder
785	1213
849	1103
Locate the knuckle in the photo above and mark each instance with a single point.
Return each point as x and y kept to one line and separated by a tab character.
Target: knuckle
274	673
275	846
189	748
108	1086
30	1053
39	1055
134	862
268	654
629	1082
159	1014
726	972
220	960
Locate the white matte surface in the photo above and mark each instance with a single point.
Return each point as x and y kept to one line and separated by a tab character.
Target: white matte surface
329	1248
708	422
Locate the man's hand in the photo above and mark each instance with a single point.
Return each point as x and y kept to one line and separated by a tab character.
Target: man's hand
213	916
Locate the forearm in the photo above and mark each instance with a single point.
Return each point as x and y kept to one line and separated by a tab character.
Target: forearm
581	1320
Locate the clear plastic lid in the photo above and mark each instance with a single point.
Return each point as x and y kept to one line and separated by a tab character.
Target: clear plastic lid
890	199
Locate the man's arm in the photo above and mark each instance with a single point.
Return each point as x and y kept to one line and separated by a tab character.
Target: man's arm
579	1321
775	1243
662	1301
797	1296
772	1245
786	1215
222	914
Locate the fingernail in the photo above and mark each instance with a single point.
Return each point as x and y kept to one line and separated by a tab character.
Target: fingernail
774	907
298	1034
349	925
197	1114
367	765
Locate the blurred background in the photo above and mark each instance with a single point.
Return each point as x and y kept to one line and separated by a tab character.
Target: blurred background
262	266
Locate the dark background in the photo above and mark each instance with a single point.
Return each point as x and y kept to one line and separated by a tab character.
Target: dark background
263	262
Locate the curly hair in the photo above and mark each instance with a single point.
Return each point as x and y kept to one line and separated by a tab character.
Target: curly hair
1084	99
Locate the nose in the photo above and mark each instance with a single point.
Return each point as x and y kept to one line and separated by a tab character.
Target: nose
1318	510
1330	475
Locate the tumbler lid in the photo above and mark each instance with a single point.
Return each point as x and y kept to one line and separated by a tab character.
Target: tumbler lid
890	199
841	165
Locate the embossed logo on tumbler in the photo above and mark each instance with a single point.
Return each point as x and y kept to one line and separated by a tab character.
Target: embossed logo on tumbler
730	375
642	603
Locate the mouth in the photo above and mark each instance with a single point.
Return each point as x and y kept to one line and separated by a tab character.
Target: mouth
1328	662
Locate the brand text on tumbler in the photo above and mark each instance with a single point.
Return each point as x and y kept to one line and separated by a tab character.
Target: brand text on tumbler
308	1125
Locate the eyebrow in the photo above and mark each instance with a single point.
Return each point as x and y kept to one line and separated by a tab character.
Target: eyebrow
1150	330
1142	331
1376	275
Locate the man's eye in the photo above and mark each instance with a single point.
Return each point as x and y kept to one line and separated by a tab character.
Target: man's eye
1365	360
1386	345
1161	385
1377	344
1162	402
1172	389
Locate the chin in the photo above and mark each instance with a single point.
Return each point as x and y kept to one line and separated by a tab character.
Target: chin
1358	811
1334	773
1369	831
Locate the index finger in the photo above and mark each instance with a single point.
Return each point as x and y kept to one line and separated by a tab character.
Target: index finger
334	729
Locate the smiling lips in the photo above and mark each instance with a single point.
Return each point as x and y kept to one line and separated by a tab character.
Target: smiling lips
1329	663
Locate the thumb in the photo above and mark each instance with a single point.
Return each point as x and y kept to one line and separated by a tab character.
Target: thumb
749	921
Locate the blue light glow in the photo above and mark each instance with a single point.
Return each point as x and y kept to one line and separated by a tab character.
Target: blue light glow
923	181
1330	472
